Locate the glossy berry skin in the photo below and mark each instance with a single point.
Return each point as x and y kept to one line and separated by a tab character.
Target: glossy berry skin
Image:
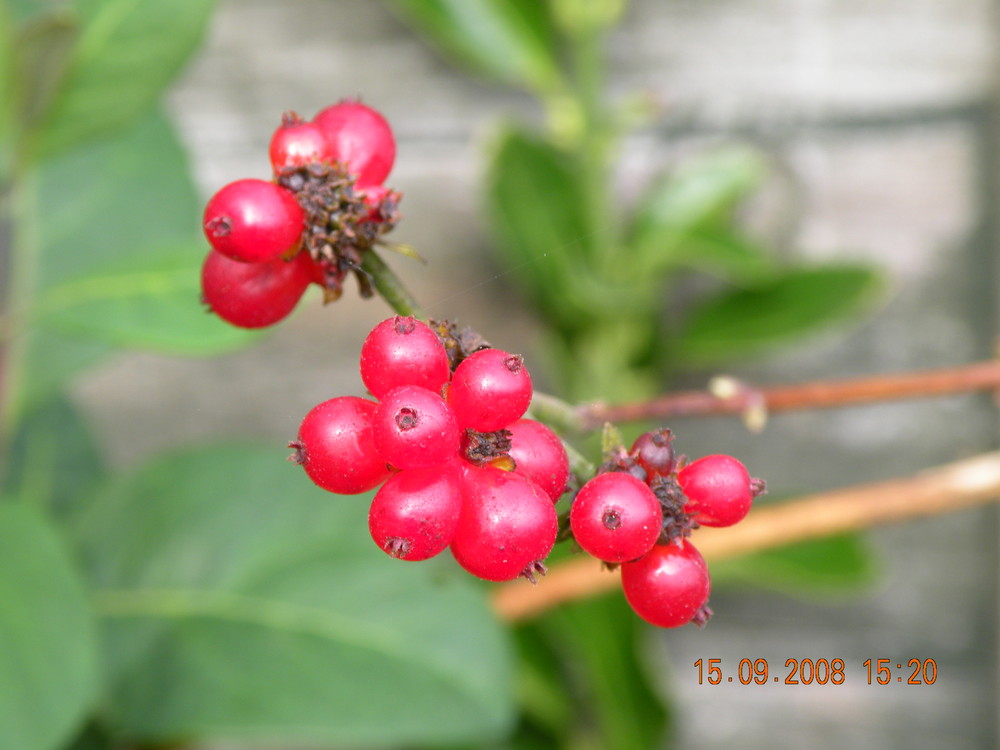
415	513
654	453
718	490
507	524
616	517
414	428
667	586
403	351
254	295
336	448
253	221
296	143
489	390
540	456
360	138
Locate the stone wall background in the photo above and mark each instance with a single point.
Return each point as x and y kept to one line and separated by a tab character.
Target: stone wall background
882	120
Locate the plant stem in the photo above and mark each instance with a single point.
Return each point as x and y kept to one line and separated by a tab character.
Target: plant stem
820	394
962	484
390	287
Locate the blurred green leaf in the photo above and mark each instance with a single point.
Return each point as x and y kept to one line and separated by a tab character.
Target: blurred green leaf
52	359
509	40
48	648
126	54
42	56
536	204
793	303
241	602
823	567
8	84
723	253
54	459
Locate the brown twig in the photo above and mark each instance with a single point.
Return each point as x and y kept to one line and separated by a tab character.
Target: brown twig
946	488
820	394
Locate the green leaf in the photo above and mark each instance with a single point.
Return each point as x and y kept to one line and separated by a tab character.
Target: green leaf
42	56
48	649
128	50
824	567
794	303
241	602
509	40
723	253
54	459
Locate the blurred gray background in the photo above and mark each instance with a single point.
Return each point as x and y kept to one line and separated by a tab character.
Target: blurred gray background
881	119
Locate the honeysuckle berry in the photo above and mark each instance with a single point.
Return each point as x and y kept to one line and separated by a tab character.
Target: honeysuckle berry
669	585
719	490
359	137
253	221
654	453
336	447
414	514
490	389
539	455
296	143
403	351
507	527
616	517
414	428
254	295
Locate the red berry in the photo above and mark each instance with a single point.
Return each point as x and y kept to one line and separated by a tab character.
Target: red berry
616	517
254	295
296	143
668	586
414	514
403	351
507	527
336	447
489	390
414	428
719	490
361	138
253	221
654	453
539	455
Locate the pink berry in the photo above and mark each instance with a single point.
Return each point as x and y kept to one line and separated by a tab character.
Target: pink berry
361	138
336	448
719	490
414	428
654	453
668	586
254	295
540	456
296	143
507	526
616	517
403	351
253	221
490	390
414	514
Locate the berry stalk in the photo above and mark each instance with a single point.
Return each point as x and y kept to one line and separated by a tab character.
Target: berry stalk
388	285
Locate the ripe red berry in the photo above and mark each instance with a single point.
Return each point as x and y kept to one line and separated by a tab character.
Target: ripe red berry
490	389
336	448
361	138
414	428
254	295
296	143
253	221
616	517
539	455
654	453
403	351
668	586
507	526
414	514
719	490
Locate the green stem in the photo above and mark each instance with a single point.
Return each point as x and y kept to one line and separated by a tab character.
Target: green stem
390	287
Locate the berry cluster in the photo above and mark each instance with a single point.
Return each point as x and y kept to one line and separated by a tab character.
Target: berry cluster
311	224
640	509
445	437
